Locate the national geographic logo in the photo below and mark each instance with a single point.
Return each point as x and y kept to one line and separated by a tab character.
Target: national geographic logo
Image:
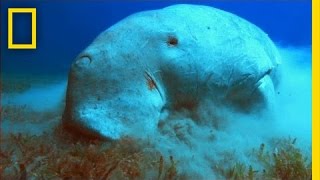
33	44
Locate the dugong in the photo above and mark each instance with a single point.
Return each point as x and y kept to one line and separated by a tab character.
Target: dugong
162	61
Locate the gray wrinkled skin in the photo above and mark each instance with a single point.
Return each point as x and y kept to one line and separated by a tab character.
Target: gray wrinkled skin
155	63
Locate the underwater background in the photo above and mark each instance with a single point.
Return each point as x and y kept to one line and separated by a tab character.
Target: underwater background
33	85
64	29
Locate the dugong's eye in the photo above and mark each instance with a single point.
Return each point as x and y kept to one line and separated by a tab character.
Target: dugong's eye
172	41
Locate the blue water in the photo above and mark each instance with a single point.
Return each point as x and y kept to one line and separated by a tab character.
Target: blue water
65	28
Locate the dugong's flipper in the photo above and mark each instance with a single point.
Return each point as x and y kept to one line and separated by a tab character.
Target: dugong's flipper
108	98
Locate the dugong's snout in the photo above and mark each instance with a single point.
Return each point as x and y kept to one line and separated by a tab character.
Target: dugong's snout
254	93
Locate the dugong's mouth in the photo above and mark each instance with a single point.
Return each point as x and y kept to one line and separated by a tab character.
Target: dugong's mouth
262	77
264	81
250	92
264	89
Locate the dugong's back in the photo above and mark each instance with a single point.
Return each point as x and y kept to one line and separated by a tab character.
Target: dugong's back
166	60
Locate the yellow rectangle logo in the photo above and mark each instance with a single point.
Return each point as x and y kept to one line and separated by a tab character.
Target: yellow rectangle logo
33	44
